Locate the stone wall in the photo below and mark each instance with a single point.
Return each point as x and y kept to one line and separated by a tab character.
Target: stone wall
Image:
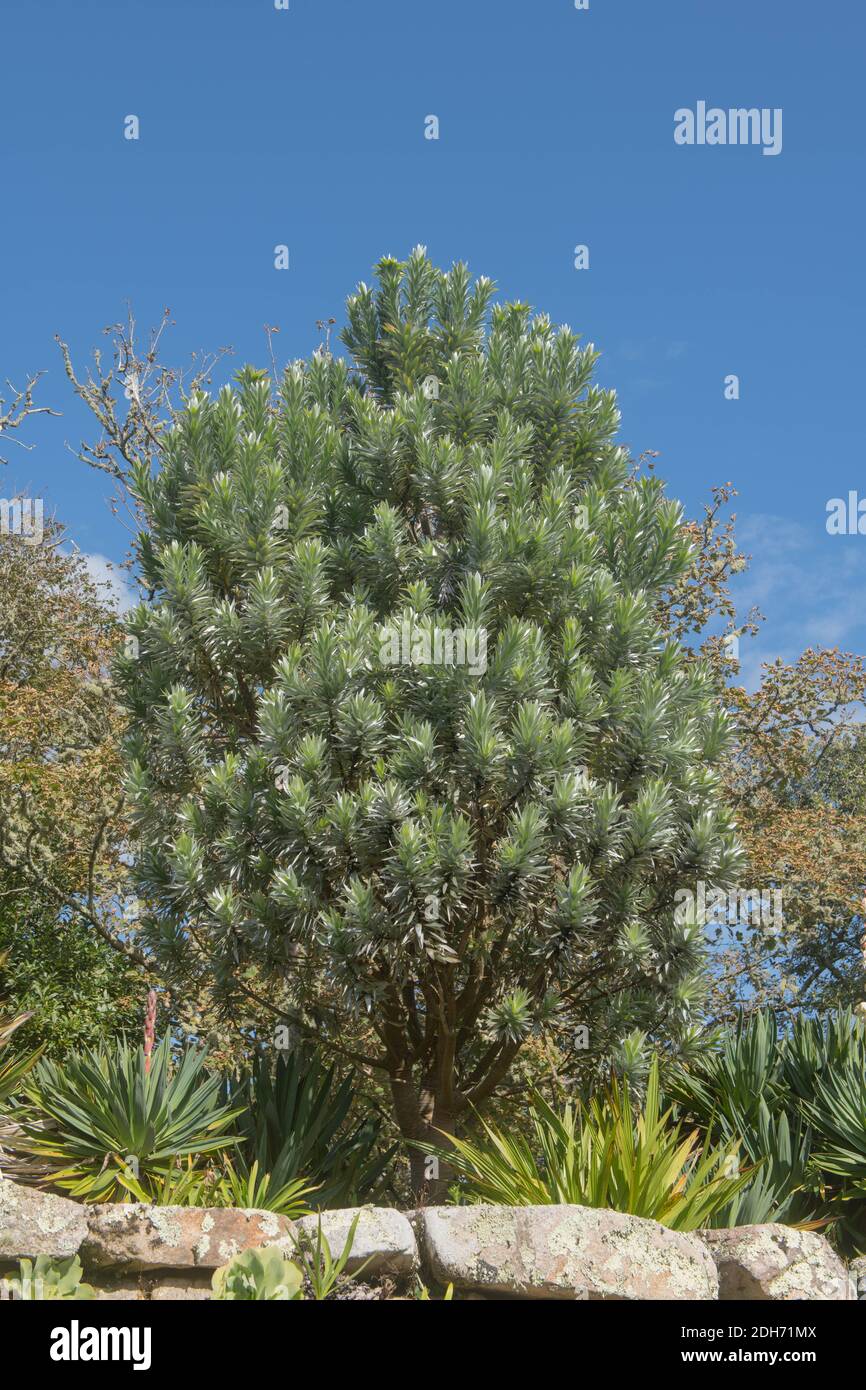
146	1252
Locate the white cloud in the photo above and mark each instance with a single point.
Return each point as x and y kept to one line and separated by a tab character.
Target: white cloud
810	587
112	581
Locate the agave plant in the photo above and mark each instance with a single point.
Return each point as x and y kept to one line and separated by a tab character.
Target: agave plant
825	1066
101	1118
260	1275
737	1094
295	1124
730	1083
838	1112
822	1047
601	1155
781	1188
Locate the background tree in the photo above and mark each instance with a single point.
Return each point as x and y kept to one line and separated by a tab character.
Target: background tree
798	786
68	954
421	863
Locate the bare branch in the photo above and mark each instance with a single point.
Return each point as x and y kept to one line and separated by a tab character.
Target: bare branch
21	408
134	399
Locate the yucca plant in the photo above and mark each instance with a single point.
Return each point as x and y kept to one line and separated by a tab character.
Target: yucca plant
730	1082
101	1117
601	1154
797	1105
825	1065
738	1094
13	1066
821	1047
191	1185
183	1185
838	1112
781	1187
295	1124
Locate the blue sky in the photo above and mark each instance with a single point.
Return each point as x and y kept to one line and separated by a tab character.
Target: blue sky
305	127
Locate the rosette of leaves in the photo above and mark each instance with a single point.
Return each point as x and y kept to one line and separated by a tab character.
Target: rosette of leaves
101	1118
296	1123
260	1275
48	1278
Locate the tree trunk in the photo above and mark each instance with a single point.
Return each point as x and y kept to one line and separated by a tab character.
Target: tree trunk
422	1117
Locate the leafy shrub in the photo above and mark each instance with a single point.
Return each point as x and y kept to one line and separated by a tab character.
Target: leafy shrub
498	834
601	1155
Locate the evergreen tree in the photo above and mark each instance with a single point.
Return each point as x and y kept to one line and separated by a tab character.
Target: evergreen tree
349	811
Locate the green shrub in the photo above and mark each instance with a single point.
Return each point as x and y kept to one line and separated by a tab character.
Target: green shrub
601	1155
407	741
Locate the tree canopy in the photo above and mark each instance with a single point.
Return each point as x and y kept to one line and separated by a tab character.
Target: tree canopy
420	860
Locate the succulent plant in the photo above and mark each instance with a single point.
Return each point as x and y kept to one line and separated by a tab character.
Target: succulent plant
261	1275
49	1278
